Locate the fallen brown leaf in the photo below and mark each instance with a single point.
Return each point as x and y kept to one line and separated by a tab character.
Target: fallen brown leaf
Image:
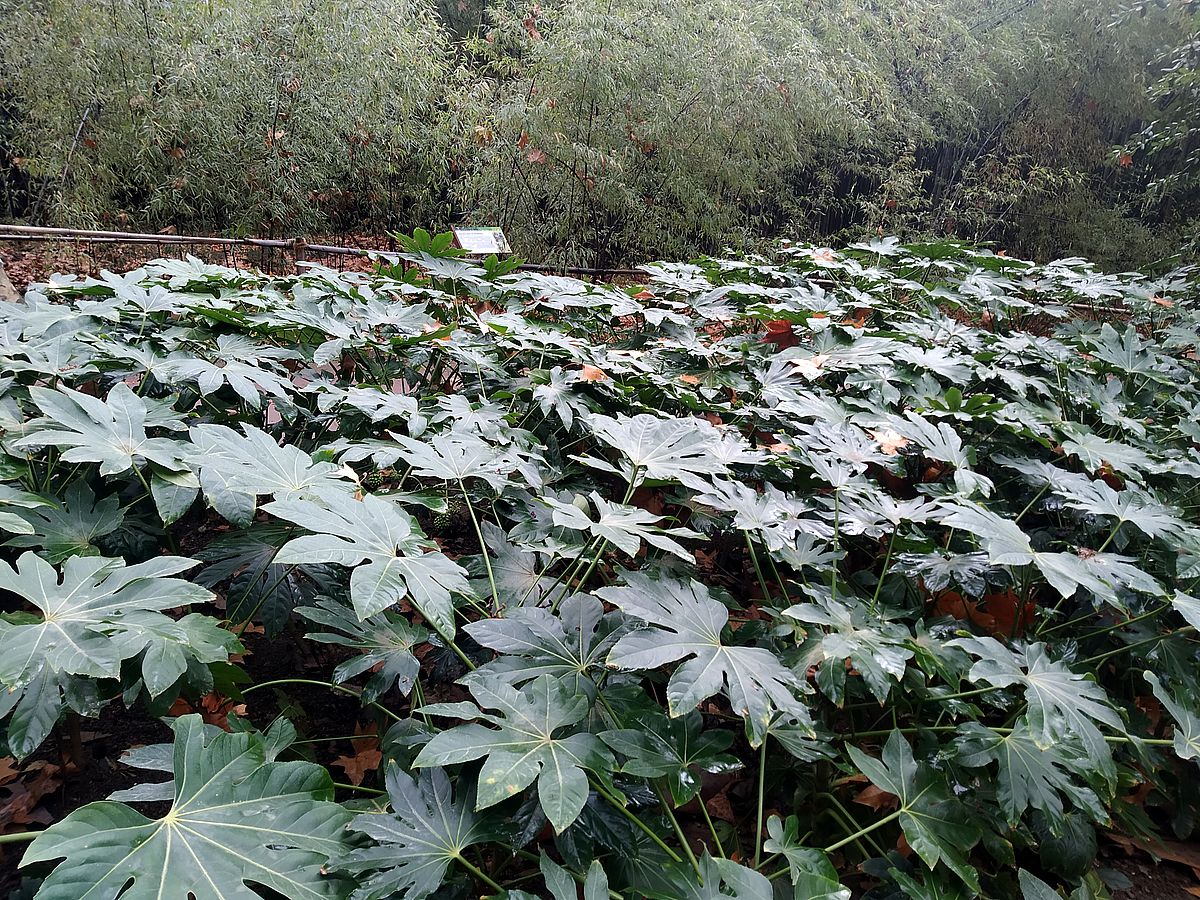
366	758
877	799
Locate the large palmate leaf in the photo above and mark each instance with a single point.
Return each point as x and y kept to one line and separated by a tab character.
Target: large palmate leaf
259	587
877	648
425	833
457	457
110	432
73	527
235	469
386	642
657	449
1061	702
813	875
384	544
935	824
1187	723
571	646
940	441
247	381
239	824
1007	545
1096	452
1126	352
678	750
99	614
1029	775
519	573
623	526
525	745
1129	505
14	505
724	878
688	623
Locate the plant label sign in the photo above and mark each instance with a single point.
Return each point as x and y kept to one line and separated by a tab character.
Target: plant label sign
482	241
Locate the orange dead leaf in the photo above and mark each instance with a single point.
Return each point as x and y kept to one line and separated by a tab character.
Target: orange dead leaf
529	23
213	708
719	807
1109	476
877	799
649	499
1011	615
358	765
858	319
955	605
592	373
779	333
690	379
536	156
367	755
19	800
1176	851
644	294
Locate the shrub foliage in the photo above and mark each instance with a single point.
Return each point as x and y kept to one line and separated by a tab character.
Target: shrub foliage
620	131
870	569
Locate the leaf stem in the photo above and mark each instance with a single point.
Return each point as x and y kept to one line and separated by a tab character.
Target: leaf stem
847	817
359	788
964	694
758	822
17	837
620	807
683	842
887	560
1112	534
1029	505
1100	657
483	550
1125	624
325	684
837	541
863	832
762	582
479	873
712	829
1110	738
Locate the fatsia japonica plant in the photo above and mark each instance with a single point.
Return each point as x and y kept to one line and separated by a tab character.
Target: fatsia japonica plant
866	572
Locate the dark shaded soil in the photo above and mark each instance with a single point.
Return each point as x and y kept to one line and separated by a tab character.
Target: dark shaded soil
316	711
1154	881
105	740
30	261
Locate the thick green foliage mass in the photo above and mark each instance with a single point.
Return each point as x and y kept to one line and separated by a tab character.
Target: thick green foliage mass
609	132
643	586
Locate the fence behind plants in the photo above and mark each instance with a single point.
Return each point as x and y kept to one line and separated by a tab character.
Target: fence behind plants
84	250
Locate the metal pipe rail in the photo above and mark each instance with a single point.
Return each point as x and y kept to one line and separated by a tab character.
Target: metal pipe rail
297	245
